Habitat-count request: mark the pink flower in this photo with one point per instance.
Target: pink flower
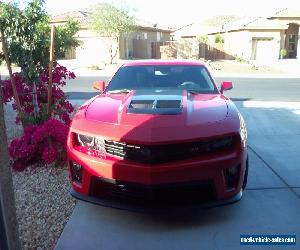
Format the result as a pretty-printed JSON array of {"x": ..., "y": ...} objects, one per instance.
[
  {"x": 50, "y": 155},
  {"x": 18, "y": 166},
  {"x": 45, "y": 142}
]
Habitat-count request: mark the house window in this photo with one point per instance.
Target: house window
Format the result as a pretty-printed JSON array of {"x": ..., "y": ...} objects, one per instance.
[
  {"x": 158, "y": 36},
  {"x": 292, "y": 42}
]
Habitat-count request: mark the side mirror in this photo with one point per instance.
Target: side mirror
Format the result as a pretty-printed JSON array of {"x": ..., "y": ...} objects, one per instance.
[
  {"x": 226, "y": 86},
  {"x": 99, "y": 86}
]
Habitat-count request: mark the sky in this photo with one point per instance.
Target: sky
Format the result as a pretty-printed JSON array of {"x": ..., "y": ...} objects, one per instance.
[{"x": 173, "y": 13}]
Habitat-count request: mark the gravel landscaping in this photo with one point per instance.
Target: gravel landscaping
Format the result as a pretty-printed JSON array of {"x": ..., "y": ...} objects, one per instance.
[{"x": 43, "y": 202}]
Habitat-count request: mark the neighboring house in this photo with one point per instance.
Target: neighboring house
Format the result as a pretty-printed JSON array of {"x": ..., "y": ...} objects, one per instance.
[
  {"x": 193, "y": 30},
  {"x": 258, "y": 39},
  {"x": 263, "y": 38},
  {"x": 94, "y": 48}
]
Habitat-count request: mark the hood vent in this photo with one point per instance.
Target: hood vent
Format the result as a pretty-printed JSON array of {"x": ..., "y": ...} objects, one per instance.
[
  {"x": 168, "y": 104},
  {"x": 162, "y": 107},
  {"x": 141, "y": 104},
  {"x": 161, "y": 102}
]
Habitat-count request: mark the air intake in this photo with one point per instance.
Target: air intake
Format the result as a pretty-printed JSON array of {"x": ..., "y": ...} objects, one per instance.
[
  {"x": 168, "y": 104},
  {"x": 141, "y": 104},
  {"x": 162, "y": 107},
  {"x": 162, "y": 102}
]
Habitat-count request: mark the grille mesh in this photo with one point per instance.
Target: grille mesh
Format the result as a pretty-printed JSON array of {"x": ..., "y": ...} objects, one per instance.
[
  {"x": 166, "y": 153},
  {"x": 153, "y": 195}
]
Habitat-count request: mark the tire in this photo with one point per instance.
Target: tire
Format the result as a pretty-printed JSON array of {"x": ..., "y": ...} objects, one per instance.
[{"x": 246, "y": 174}]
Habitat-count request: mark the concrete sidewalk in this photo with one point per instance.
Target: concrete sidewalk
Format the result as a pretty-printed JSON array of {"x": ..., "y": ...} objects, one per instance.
[{"x": 270, "y": 205}]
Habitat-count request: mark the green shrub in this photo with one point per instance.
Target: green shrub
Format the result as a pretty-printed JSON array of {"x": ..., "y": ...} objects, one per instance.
[
  {"x": 219, "y": 38},
  {"x": 283, "y": 53}
]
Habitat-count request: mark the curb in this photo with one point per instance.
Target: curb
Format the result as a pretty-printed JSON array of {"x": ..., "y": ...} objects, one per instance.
[{"x": 265, "y": 76}]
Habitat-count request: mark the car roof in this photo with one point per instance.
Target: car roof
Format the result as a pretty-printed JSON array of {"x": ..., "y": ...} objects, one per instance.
[{"x": 163, "y": 62}]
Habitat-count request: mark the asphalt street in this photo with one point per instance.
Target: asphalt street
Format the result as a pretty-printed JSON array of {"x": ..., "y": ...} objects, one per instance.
[
  {"x": 244, "y": 88},
  {"x": 270, "y": 204}
]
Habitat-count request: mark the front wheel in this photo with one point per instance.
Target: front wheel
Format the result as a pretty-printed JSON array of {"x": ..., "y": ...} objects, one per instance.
[{"x": 246, "y": 174}]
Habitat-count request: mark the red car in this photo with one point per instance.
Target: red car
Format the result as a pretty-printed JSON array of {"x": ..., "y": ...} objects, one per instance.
[{"x": 160, "y": 135}]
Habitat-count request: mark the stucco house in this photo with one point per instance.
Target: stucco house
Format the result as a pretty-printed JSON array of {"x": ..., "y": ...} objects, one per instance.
[
  {"x": 252, "y": 39},
  {"x": 94, "y": 49},
  {"x": 263, "y": 38}
]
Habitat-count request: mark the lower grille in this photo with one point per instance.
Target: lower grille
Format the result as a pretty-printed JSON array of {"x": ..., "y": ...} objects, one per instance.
[
  {"x": 166, "y": 153},
  {"x": 184, "y": 193}
]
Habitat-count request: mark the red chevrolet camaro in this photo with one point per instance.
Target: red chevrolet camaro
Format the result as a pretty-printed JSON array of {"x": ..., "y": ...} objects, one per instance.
[{"x": 159, "y": 135}]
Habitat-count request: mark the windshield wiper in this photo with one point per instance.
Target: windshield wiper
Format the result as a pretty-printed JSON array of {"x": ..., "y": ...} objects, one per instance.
[
  {"x": 118, "y": 91},
  {"x": 194, "y": 91}
]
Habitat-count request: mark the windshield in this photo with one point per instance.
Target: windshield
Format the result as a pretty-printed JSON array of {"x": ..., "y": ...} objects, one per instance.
[{"x": 191, "y": 78}]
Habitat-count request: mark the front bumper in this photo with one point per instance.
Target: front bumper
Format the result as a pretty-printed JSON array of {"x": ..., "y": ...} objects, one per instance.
[
  {"x": 207, "y": 168},
  {"x": 157, "y": 208}
]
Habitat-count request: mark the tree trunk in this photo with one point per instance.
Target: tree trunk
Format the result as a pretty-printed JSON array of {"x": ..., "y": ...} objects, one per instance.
[
  {"x": 50, "y": 69},
  {"x": 8, "y": 63},
  {"x": 9, "y": 239},
  {"x": 113, "y": 55}
]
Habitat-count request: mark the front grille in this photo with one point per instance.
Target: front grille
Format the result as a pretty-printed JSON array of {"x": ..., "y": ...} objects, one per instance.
[
  {"x": 184, "y": 193},
  {"x": 166, "y": 153}
]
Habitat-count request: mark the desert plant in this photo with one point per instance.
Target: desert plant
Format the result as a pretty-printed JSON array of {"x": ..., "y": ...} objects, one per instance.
[
  {"x": 42, "y": 144},
  {"x": 202, "y": 39},
  {"x": 44, "y": 138},
  {"x": 283, "y": 53},
  {"x": 219, "y": 38}
]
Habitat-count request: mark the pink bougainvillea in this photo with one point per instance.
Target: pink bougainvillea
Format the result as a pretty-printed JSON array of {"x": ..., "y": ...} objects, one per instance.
[
  {"x": 43, "y": 143},
  {"x": 60, "y": 105},
  {"x": 44, "y": 138}
]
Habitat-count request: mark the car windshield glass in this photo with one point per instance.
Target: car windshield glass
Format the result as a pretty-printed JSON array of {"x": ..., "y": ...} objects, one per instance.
[{"x": 191, "y": 78}]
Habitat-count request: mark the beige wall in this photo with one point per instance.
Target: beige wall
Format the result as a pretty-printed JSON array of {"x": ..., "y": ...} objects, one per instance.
[
  {"x": 241, "y": 43},
  {"x": 94, "y": 50},
  {"x": 272, "y": 40},
  {"x": 147, "y": 38},
  {"x": 187, "y": 48}
]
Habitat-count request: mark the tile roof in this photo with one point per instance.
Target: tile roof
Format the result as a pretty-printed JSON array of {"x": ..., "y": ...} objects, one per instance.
[
  {"x": 288, "y": 12},
  {"x": 193, "y": 30},
  {"x": 82, "y": 17}
]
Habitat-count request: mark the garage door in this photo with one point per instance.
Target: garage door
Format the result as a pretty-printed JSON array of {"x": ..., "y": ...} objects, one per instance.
[{"x": 264, "y": 50}]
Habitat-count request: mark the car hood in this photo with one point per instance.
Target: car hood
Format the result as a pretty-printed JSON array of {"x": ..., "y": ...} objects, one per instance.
[
  {"x": 153, "y": 115},
  {"x": 157, "y": 108}
]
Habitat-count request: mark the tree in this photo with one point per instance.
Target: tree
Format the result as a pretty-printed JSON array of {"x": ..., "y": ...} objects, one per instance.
[
  {"x": 220, "y": 21},
  {"x": 7, "y": 200},
  {"x": 28, "y": 36},
  {"x": 27, "y": 33},
  {"x": 112, "y": 23}
]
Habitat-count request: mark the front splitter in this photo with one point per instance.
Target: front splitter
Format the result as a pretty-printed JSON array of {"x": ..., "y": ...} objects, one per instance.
[{"x": 157, "y": 208}]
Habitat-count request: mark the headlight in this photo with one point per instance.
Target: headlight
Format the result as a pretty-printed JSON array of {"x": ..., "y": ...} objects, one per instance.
[
  {"x": 243, "y": 131},
  {"x": 99, "y": 145},
  {"x": 96, "y": 143},
  {"x": 85, "y": 140}
]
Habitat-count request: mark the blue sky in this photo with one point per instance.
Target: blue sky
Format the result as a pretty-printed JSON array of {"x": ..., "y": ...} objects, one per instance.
[{"x": 172, "y": 12}]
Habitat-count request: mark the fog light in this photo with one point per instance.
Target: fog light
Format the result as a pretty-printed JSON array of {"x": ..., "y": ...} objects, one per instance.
[
  {"x": 232, "y": 175},
  {"x": 76, "y": 171},
  {"x": 233, "y": 170}
]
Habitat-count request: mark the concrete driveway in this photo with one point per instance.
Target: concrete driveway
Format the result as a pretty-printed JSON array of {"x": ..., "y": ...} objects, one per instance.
[{"x": 270, "y": 205}]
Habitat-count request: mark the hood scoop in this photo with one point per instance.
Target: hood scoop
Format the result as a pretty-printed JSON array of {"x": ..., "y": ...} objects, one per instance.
[
  {"x": 161, "y": 107},
  {"x": 141, "y": 104}
]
